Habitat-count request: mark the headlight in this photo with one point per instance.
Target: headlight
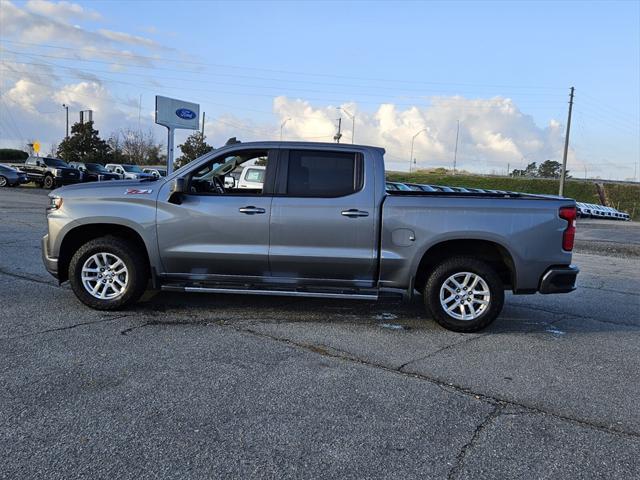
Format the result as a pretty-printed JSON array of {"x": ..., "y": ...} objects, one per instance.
[
  {"x": 56, "y": 172},
  {"x": 55, "y": 203}
]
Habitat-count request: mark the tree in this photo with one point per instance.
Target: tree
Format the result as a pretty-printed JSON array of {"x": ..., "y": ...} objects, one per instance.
[
  {"x": 84, "y": 145},
  {"x": 193, "y": 147},
  {"x": 551, "y": 169},
  {"x": 530, "y": 171},
  {"x": 135, "y": 146}
]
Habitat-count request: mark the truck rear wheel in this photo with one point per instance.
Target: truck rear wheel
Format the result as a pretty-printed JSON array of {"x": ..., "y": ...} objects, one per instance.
[
  {"x": 464, "y": 294},
  {"x": 108, "y": 273}
]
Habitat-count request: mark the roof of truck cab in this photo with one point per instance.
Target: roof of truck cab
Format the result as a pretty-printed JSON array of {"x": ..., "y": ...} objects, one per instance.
[{"x": 323, "y": 145}]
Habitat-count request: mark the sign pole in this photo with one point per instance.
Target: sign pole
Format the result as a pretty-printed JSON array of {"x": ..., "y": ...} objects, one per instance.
[{"x": 170, "y": 132}]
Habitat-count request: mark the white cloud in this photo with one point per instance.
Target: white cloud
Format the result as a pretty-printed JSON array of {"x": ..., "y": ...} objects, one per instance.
[
  {"x": 61, "y": 10},
  {"x": 42, "y": 22},
  {"x": 127, "y": 38},
  {"x": 493, "y": 132}
]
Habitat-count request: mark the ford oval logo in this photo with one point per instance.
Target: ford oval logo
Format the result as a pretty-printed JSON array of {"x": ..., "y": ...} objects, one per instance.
[{"x": 186, "y": 114}]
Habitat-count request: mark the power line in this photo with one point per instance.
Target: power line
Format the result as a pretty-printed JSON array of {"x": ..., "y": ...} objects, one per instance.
[
  {"x": 287, "y": 72},
  {"x": 548, "y": 96}
]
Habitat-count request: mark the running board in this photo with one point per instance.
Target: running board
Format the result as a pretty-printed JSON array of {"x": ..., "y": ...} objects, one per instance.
[{"x": 282, "y": 293}]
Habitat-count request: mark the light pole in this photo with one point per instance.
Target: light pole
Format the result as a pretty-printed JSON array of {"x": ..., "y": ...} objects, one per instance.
[
  {"x": 353, "y": 121},
  {"x": 282, "y": 126},
  {"x": 455, "y": 152},
  {"x": 412, "y": 141},
  {"x": 66, "y": 107}
]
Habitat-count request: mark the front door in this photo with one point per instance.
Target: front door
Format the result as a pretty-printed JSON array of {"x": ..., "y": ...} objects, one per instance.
[
  {"x": 323, "y": 220},
  {"x": 213, "y": 230}
]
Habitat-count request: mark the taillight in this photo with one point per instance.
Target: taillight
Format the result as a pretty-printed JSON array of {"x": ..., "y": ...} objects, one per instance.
[{"x": 569, "y": 234}]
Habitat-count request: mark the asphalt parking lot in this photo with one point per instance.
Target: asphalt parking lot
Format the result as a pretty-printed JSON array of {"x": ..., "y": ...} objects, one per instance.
[{"x": 206, "y": 386}]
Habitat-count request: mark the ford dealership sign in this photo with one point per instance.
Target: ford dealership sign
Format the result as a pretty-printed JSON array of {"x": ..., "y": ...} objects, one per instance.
[
  {"x": 174, "y": 113},
  {"x": 186, "y": 114}
]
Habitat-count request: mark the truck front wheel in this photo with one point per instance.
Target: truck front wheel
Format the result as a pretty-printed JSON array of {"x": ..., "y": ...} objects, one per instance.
[
  {"x": 108, "y": 273},
  {"x": 464, "y": 294},
  {"x": 49, "y": 182}
]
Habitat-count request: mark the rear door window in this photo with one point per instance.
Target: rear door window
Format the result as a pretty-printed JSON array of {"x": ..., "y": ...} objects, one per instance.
[{"x": 322, "y": 174}]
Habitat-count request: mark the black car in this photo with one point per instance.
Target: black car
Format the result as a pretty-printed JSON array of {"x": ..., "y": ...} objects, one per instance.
[
  {"x": 10, "y": 177},
  {"x": 51, "y": 172},
  {"x": 94, "y": 172}
]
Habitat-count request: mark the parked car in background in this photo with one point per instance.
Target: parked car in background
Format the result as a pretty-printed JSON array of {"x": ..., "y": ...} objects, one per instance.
[
  {"x": 94, "y": 172},
  {"x": 51, "y": 172},
  {"x": 155, "y": 171},
  {"x": 397, "y": 186},
  {"x": 419, "y": 187},
  {"x": 128, "y": 171},
  {"x": 252, "y": 177},
  {"x": 11, "y": 177}
]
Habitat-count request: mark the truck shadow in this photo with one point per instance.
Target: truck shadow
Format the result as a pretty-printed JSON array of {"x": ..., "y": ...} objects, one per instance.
[{"x": 395, "y": 315}]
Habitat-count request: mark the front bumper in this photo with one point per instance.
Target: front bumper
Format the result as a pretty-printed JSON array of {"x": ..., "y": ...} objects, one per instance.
[
  {"x": 559, "y": 279},
  {"x": 50, "y": 263}
]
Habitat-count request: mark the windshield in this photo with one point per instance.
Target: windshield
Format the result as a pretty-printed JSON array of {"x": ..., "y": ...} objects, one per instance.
[
  {"x": 55, "y": 162},
  {"x": 255, "y": 175},
  {"x": 132, "y": 168},
  {"x": 96, "y": 167}
]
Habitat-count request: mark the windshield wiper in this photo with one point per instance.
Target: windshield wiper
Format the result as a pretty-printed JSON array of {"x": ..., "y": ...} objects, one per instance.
[{"x": 148, "y": 179}]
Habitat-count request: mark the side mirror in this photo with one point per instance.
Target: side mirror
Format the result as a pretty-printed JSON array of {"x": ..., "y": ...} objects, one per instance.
[
  {"x": 178, "y": 185},
  {"x": 178, "y": 188}
]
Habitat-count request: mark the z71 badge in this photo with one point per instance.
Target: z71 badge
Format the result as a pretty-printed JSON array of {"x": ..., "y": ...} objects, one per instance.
[{"x": 138, "y": 191}]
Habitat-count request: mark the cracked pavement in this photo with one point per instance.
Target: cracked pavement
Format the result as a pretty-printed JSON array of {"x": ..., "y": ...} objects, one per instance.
[{"x": 193, "y": 386}]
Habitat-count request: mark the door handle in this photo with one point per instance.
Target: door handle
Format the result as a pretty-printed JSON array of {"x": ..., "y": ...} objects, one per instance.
[
  {"x": 354, "y": 212},
  {"x": 251, "y": 210}
]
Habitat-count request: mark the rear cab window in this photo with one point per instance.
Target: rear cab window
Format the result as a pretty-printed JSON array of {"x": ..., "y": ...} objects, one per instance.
[{"x": 318, "y": 173}]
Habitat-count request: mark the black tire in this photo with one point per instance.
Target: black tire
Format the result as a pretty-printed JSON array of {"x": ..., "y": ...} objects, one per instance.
[
  {"x": 130, "y": 254},
  {"x": 49, "y": 182},
  {"x": 457, "y": 265},
  {"x": 4, "y": 182}
]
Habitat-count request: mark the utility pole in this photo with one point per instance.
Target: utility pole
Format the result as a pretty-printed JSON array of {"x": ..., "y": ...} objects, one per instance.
[
  {"x": 282, "y": 126},
  {"x": 455, "y": 152},
  {"x": 338, "y": 135},
  {"x": 139, "y": 112},
  {"x": 563, "y": 173},
  {"x": 353, "y": 121},
  {"x": 202, "y": 131},
  {"x": 66, "y": 107},
  {"x": 508, "y": 168}
]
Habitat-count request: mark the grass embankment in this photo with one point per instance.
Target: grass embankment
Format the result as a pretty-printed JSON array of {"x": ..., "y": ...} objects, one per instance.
[{"x": 625, "y": 197}]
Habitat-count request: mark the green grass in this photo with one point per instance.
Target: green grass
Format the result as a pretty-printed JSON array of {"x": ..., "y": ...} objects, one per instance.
[{"x": 625, "y": 197}]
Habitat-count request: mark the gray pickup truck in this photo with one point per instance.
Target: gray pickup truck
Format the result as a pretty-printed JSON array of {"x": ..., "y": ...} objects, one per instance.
[{"x": 321, "y": 225}]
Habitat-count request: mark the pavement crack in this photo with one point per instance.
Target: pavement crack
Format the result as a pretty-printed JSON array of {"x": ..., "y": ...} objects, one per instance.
[
  {"x": 573, "y": 315},
  {"x": 126, "y": 331},
  {"x": 466, "y": 448},
  {"x": 459, "y": 389},
  {"x": 455, "y": 344},
  {"x": 29, "y": 279},
  {"x": 68, "y": 327}
]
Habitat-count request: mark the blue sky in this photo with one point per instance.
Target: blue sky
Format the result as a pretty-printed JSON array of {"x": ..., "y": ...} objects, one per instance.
[{"x": 502, "y": 68}]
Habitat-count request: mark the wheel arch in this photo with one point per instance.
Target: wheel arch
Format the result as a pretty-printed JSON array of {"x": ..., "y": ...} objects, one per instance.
[
  {"x": 81, "y": 234},
  {"x": 497, "y": 255}
]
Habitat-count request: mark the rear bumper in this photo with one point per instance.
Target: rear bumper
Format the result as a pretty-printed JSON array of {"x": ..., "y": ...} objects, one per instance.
[
  {"x": 50, "y": 263},
  {"x": 559, "y": 279}
]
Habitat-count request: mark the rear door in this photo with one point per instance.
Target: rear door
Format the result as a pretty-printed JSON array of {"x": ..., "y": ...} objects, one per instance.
[{"x": 322, "y": 228}]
